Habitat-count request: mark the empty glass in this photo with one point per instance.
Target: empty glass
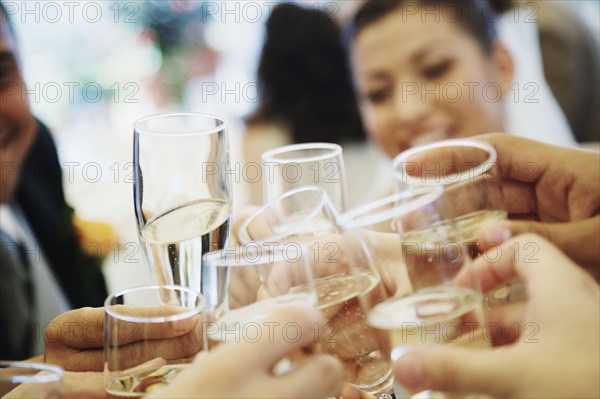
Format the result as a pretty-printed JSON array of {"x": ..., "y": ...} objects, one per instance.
[{"x": 310, "y": 164}]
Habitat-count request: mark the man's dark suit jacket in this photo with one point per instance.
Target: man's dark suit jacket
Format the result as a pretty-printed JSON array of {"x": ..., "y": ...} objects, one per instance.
[{"x": 41, "y": 197}]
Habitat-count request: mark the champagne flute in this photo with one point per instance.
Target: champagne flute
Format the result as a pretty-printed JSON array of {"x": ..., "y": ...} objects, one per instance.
[
  {"x": 468, "y": 172},
  {"x": 430, "y": 297},
  {"x": 182, "y": 196},
  {"x": 309, "y": 164},
  {"x": 306, "y": 216}
]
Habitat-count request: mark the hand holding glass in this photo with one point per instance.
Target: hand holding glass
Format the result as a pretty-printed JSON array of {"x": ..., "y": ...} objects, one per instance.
[{"x": 151, "y": 333}]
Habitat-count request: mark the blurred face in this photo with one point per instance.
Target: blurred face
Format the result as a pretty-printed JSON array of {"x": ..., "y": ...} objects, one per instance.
[
  {"x": 17, "y": 125},
  {"x": 420, "y": 80}
]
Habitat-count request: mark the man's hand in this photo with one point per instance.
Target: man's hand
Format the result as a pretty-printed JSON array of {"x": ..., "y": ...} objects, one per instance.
[
  {"x": 74, "y": 340},
  {"x": 553, "y": 192}
]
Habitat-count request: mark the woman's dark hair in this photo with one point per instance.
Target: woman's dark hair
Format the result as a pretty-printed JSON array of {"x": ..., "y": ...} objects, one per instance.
[
  {"x": 476, "y": 16},
  {"x": 304, "y": 78}
]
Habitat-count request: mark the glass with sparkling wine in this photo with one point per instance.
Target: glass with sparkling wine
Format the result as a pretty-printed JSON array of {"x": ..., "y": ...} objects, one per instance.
[
  {"x": 306, "y": 216},
  {"x": 151, "y": 334},
  {"x": 468, "y": 173},
  {"x": 430, "y": 298},
  {"x": 182, "y": 196}
]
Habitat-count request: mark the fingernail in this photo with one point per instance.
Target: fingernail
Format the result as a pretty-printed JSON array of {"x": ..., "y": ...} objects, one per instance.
[{"x": 496, "y": 232}]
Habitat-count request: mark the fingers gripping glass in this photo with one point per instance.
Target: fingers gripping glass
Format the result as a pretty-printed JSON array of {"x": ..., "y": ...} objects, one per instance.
[{"x": 151, "y": 333}]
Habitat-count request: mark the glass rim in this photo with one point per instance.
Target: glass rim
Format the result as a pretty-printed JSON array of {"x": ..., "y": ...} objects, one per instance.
[
  {"x": 425, "y": 195},
  {"x": 208, "y": 131},
  {"x": 324, "y": 199},
  {"x": 271, "y": 155},
  {"x": 154, "y": 319},
  {"x": 403, "y": 177},
  {"x": 56, "y": 373},
  {"x": 237, "y": 258}
]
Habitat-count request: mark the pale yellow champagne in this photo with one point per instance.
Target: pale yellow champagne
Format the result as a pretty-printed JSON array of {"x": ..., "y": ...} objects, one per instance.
[
  {"x": 348, "y": 336},
  {"x": 435, "y": 254},
  {"x": 469, "y": 226},
  {"x": 176, "y": 241},
  {"x": 138, "y": 384}
]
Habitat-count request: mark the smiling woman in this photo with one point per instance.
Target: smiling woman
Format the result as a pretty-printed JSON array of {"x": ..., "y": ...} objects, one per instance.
[{"x": 430, "y": 70}]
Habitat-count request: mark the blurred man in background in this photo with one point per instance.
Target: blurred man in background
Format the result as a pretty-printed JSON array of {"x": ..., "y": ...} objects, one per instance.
[{"x": 43, "y": 268}]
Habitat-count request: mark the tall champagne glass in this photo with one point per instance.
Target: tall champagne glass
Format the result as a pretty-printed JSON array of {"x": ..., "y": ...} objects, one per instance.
[
  {"x": 306, "y": 216},
  {"x": 182, "y": 198},
  {"x": 467, "y": 171},
  {"x": 430, "y": 296}
]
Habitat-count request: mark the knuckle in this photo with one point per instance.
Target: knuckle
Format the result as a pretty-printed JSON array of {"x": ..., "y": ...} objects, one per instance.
[{"x": 188, "y": 345}]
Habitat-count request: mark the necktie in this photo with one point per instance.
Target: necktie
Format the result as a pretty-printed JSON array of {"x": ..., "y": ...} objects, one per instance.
[{"x": 17, "y": 306}]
